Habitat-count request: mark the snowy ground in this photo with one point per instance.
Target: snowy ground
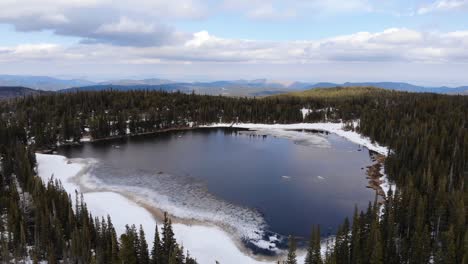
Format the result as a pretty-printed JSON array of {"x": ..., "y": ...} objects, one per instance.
[{"x": 206, "y": 243}]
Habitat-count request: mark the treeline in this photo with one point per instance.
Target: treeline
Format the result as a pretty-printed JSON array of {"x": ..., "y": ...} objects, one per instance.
[
  {"x": 428, "y": 136},
  {"x": 424, "y": 220},
  {"x": 39, "y": 222}
]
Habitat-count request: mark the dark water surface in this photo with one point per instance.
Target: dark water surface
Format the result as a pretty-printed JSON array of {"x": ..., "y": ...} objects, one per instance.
[{"x": 292, "y": 185}]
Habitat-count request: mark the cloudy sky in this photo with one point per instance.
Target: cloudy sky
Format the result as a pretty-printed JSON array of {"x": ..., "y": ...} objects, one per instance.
[{"x": 418, "y": 41}]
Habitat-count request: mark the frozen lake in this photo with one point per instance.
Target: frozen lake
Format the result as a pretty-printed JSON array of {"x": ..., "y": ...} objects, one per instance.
[{"x": 259, "y": 186}]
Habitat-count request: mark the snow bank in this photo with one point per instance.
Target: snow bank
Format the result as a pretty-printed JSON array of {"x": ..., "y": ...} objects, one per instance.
[
  {"x": 122, "y": 210},
  {"x": 336, "y": 128},
  {"x": 60, "y": 168},
  {"x": 210, "y": 244}
]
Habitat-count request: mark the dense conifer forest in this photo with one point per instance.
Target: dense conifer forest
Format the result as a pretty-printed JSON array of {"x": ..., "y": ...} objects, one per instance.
[{"x": 423, "y": 221}]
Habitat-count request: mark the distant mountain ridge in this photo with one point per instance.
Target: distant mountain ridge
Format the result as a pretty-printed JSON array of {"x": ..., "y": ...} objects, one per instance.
[
  {"x": 245, "y": 88},
  {"x": 123, "y": 82},
  {"x": 8, "y": 92},
  {"x": 41, "y": 82},
  {"x": 102, "y": 87},
  {"x": 258, "y": 87}
]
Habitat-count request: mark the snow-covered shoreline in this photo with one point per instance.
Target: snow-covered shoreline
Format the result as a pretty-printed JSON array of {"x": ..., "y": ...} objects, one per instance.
[
  {"x": 336, "y": 128},
  {"x": 193, "y": 204},
  {"x": 206, "y": 243}
]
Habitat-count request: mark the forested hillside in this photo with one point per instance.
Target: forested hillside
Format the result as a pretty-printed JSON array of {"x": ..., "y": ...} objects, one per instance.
[
  {"x": 8, "y": 92},
  {"x": 334, "y": 92},
  {"x": 423, "y": 221}
]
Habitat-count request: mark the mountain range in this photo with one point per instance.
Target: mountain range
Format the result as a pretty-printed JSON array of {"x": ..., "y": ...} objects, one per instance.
[
  {"x": 259, "y": 87},
  {"x": 41, "y": 82}
]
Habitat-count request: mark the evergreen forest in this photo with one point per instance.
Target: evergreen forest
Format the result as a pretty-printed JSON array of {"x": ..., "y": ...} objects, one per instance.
[{"x": 423, "y": 221}]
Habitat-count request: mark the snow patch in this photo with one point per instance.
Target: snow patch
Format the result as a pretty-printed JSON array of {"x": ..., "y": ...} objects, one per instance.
[
  {"x": 85, "y": 139},
  {"x": 385, "y": 183},
  {"x": 298, "y": 137},
  {"x": 305, "y": 112},
  {"x": 336, "y": 128},
  {"x": 60, "y": 168}
]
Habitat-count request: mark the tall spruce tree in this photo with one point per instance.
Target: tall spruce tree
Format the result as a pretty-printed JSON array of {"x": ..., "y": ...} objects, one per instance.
[
  {"x": 156, "y": 257},
  {"x": 291, "y": 258},
  {"x": 143, "y": 256},
  {"x": 313, "y": 250}
]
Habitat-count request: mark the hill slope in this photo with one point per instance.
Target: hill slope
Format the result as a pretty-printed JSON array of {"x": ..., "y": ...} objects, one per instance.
[
  {"x": 336, "y": 92},
  {"x": 8, "y": 92}
]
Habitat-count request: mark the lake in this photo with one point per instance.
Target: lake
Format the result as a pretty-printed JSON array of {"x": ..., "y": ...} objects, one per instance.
[{"x": 259, "y": 186}]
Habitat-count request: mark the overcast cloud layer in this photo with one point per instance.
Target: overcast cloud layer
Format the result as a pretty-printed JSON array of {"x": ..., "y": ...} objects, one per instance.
[{"x": 145, "y": 35}]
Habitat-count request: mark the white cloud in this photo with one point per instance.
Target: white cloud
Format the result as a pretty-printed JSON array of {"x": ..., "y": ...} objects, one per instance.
[
  {"x": 268, "y": 12},
  {"x": 261, "y": 9},
  {"x": 398, "y": 36},
  {"x": 15, "y": 9},
  {"x": 392, "y": 45},
  {"x": 442, "y": 5},
  {"x": 32, "y": 52},
  {"x": 338, "y": 6},
  {"x": 203, "y": 38},
  {"x": 281, "y": 10},
  {"x": 126, "y": 25},
  {"x": 160, "y": 8},
  {"x": 104, "y": 21},
  {"x": 54, "y": 18}
]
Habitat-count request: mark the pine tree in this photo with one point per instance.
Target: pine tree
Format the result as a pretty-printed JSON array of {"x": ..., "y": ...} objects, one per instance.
[
  {"x": 341, "y": 250},
  {"x": 128, "y": 252},
  {"x": 143, "y": 256},
  {"x": 356, "y": 239},
  {"x": 190, "y": 260},
  {"x": 168, "y": 242},
  {"x": 114, "y": 252},
  {"x": 313, "y": 250},
  {"x": 157, "y": 249},
  {"x": 375, "y": 242},
  {"x": 291, "y": 259}
]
